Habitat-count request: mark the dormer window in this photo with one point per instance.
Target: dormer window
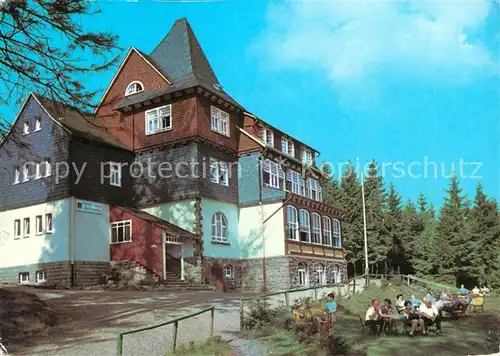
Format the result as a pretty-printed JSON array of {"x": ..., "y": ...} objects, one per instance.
[
  {"x": 307, "y": 156},
  {"x": 266, "y": 136},
  {"x": 134, "y": 87},
  {"x": 287, "y": 146},
  {"x": 26, "y": 128}
]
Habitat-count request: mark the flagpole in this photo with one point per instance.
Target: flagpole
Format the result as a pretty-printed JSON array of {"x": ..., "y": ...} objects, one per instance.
[{"x": 364, "y": 227}]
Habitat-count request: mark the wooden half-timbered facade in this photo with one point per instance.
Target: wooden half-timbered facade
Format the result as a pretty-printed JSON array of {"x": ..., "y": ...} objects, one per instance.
[{"x": 169, "y": 173}]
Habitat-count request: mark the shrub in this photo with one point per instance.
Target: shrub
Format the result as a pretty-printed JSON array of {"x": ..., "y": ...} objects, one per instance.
[{"x": 262, "y": 314}]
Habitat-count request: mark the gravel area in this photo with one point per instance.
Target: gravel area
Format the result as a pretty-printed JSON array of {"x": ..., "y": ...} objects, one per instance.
[
  {"x": 247, "y": 348},
  {"x": 102, "y": 315}
]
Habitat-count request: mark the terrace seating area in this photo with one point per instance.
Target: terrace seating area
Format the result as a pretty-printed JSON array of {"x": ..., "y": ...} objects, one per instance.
[{"x": 411, "y": 315}]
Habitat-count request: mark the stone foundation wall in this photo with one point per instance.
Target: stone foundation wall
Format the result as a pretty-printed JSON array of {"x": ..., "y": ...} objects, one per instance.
[
  {"x": 312, "y": 265},
  {"x": 213, "y": 273},
  {"x": 281, "y": 272},
  {"x": 58, "y": 274},
  {"x": 276, "y": 270}
]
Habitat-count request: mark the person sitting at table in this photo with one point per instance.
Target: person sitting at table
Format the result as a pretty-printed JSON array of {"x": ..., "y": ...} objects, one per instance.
[
  {"x": 445, "y": 296},
  {"x": 463, "y": 290},
  {"x": 439, "y": 303},
  {"x": 475, "y": 290},
  {"x": 430, "y": 297},
  {"x": 411, "y": 319},
  {"x": 387, "y": 307},
  {"x": 373, "y": 317},
  {"x": 415, "y": 302},
  {"x": 430, "y": 315},
  {"x": 485, "y": 290},
  {"x": 400, "y": 303}
]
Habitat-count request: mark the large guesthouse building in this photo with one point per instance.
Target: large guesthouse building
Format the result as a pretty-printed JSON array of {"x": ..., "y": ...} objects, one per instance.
[{"x": 169, "y": 174}]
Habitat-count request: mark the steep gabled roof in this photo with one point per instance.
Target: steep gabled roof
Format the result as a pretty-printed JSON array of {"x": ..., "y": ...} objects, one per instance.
[
  {"x": 145, "y": 58},
  {"x": 180, "y": 58},
  {"x": 79, "y": 123},
  {"x": 179, "y": 55}
]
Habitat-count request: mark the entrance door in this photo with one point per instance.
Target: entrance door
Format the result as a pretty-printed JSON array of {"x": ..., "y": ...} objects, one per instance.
[
  {"x": 173, "y": 259},
  {"x": 218, "y": 277}
]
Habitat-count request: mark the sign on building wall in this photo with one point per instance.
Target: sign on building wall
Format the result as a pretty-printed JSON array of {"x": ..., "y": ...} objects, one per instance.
[{"x": 89, "y": 207}]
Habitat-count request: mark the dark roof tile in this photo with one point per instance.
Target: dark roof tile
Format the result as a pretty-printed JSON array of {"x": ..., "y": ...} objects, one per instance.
[{"x": 79, "y": 123}]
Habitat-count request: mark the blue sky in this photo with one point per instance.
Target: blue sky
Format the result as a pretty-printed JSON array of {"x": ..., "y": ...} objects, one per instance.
[{"x": 390, "y": 81}]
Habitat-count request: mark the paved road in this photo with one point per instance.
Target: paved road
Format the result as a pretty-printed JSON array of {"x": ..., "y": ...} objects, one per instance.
[{"x": 100, "y": 316}]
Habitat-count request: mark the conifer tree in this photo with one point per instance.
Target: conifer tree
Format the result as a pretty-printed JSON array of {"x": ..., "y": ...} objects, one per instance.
[
  {"x": 425, "y": 255},
  {"x": 452, "y": 235},
  {"x": 378, "y": 241},
  {"x": 352, "y": 225},
  {"x": 395, "y": 231},
  {"x": 484, "y": 241}
]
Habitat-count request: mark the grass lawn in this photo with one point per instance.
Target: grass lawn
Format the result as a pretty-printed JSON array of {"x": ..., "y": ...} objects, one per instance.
[
  {"x": 477, "y": 334},
  {"x": 204, "y": 348}
]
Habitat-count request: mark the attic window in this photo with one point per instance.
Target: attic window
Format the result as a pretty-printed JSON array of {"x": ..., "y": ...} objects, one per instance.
[{"x": 134, "y": 87}]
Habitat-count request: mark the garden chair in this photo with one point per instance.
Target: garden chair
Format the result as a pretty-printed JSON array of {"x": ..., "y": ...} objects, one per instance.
[
  {"x": 320, "y": 322},
  {"x": 362, "y": 321},
  {"x": 298, "y": 317},
  {"x": 477, "y": 303}
]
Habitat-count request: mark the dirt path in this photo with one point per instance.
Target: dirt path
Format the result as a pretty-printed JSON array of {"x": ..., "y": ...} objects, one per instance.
[{"x": 98, "y": 317}]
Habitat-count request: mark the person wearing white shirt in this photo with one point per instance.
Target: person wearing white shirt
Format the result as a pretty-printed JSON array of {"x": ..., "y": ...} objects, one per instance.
[
  {"x": 431, "y": 315},
  {"x": 476, "y": 290},
  {"x": 400, "y": 303},
  {"x": 373, "y": 317}
]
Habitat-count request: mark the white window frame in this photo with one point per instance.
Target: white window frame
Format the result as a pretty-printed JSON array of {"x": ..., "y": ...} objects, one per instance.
[
  {"x": 228, "y": 271},
  {"x": 327, "y": 231},
  {"x": 17, "y": 175},
  {"x": 316, "y": 237},
  {"x": 320, "y": 274},
  {"x": 160, "y": 127},
  {"x": 292, "y": 223},
  {"x": 41, "y": 276},
  {"x": 38, "y": 224},
  {"x": 219, "y": 121},
  {"x": 38, "y": 124},
  {"x": 307, "y": 156},
  {"x": 48, "y": 168},
  {"x": 314, "y": 190},
  {"x": 49, "y": 228},
  {"x": 296, "y": 182},
  {"x": 219, "y": 172},
  {"x": 117, "y": 225},
  {"x": 304, "y": 224},
  {"x": 38, "y": 170},
  {"x": 17, "y": 229},
  {"x": 133, "y": 85},
  {"x": 287, "y": 146},
  {"x": 336, "y": 274},
  {"x": 220, "y": 228},
  {"x": 276, "y": 178},
  {"x": 26, "y": 128},
  {"x": 115, "y": 174},
  {"x": 302, "y": 275},
  {"x": 26, "y": 227},
  {"x": 337, "y": 235},
  {"x": 26, "y": 172},
  {"x": 24, "y": 277},
  {"x": 267, "y": 136}
]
